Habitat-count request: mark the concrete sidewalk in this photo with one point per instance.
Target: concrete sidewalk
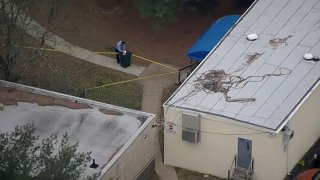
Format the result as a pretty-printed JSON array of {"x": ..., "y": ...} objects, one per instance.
[
  {"x": 152, "y": 102},
  {"x": 152, "y": 88},
  {"x": 36, "y": 30}
]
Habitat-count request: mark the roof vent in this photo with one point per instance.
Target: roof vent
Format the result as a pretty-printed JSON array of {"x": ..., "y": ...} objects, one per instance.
[
  {"x": 310, "y": 57},
  {"x": 94, "y": 165},
  {"x": 252, "y": 37}
]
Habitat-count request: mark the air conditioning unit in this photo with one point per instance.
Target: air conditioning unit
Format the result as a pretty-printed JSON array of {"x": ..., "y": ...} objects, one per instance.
[
  {"x": 190, "y": 135},
  {"x": 190, "y": 127}
]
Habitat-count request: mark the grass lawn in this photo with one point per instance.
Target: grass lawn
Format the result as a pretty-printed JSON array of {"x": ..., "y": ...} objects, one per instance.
[
  {"x": 127, "y": 95},
  {"x": 62, "y": 73},
  {"x": 191, "y": 175}
]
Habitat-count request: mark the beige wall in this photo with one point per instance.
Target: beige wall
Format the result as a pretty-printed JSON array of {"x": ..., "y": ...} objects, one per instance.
[
  {"x": 214, "y": 153},
  {"x": 139, "y": 152},
  {"x": 306, "y": 126}
]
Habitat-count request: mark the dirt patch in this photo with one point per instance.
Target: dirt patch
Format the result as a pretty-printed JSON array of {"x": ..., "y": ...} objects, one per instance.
[
  {"x": 252, "y": 57},
  {"x": 111, "y": 112},
  {"x": 276, "y": 42},
  {"x": 98, "y": 24},
  {"x": 11, "y": 96}
]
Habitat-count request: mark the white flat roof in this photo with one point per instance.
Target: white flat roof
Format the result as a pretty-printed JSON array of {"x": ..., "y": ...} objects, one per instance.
[
  {"x": 287, "y": 29},
  {"x": 98, "y": 127}
]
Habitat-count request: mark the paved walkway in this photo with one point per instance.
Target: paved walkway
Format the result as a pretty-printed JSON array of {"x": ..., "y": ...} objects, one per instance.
[
  {"x": 152, "y": 88},
  {"x": 54, "y": 41},
  {"x": 152, "y": 102}
]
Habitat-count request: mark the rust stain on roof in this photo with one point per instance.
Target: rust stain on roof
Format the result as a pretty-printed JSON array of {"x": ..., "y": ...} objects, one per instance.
[
  {"x": 111, "y": 112},
  {"x": 10, "y": 96}
]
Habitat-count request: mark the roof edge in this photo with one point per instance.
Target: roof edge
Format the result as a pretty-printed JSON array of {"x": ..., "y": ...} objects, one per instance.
[
  {"x": 127, "y": 145},
  {"x": 151, "y": 117},
  {"x": 210, "y": 53},
  {"x": 237, "y": 122},
  {"x": 231, "y": 121},
  {"x": 295, "y": 109},
  {"x": 58, "y": 95}
]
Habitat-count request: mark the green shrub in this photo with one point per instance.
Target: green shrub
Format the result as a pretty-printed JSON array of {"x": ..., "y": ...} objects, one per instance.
[{"x": 164, "y": 11}]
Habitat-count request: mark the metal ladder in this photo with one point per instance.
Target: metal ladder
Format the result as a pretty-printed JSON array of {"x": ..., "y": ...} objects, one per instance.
[{"x": 239, "y": 173}]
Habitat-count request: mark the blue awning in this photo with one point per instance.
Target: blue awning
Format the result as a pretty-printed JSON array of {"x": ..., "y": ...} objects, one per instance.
[{"x": 210, "y": 39}]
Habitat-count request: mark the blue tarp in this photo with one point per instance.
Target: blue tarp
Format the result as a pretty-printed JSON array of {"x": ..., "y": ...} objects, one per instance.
[{"x": 210, "y": 39}]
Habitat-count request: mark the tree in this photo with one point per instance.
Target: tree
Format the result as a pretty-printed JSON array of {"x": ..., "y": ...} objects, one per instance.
[
  {"x": 23, "y": 156},
  {"x": 166, "y": 11},
  {"x": 163, "y": 11},
  {"x": 14, "y": 26}
]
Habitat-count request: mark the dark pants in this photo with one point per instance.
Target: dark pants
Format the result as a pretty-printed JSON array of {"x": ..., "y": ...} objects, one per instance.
[{"x": 117, "y": 55}]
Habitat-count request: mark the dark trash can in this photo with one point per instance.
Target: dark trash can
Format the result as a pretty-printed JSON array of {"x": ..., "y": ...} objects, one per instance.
[
  {"x": 117, "y": 55},
  {"x": 125, "y": 59}
]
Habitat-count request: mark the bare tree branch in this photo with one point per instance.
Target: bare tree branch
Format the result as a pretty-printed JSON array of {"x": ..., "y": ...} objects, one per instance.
[{"x": 15, "y": 59}]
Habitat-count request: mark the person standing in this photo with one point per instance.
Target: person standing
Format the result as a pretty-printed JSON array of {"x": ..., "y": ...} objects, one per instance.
[{"x": 120, "y": 48}]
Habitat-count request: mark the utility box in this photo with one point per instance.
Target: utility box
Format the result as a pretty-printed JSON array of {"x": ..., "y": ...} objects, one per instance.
[
  {"x": 125, "y": 59},
  {"x": 190, "y": 127}
]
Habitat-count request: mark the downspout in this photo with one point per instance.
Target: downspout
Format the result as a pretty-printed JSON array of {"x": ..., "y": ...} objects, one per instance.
[
  {"x": 288, "y": 133},
  {"x": 287, "y": 142}
]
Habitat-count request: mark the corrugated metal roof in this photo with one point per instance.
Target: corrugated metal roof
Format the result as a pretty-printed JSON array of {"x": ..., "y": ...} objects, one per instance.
[{"x": 287, "y": 29}]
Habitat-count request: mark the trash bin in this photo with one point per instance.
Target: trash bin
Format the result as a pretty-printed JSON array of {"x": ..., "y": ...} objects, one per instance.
[{"x": 125, "y": 59}]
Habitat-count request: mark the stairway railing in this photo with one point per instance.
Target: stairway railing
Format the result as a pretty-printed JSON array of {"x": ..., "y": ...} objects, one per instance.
[
  {"x": 234, "y": 167},
  {"x": 233, "y": 164},
  {"x": 250, "y": 170},
  {"x": 251, "y": 166}
]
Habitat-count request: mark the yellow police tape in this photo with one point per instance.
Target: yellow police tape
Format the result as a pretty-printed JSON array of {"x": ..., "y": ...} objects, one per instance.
[
  {"x": 139, "y": 57},
  {"x": 113, "y": 53},
  {"x": 130, "y": 80},
  {"x": 154, "y": 62},
  {"x": 106, "y": 52}
]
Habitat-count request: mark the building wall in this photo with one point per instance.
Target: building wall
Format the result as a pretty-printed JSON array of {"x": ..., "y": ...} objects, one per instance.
[
  {"x": 306, "y": 126},
  {"x": 134, "y": 156},
  {"x": 139, "y": 152},
  {"x": 215, "y": 152}
]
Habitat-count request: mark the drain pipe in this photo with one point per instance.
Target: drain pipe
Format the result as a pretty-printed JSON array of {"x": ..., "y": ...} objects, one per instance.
[
  {"x": 287, "y": 142},
  {"x": 288, "y": 134}
]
